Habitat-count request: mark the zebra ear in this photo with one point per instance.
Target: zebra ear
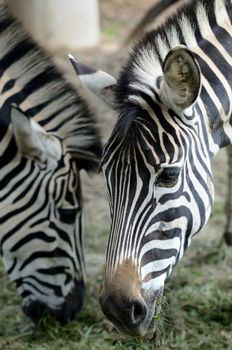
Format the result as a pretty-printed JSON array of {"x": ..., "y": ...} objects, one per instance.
[
  {"x": 181, "y": 79},
  {"x": 100, "y": 83},
  {"x": 33, "y": 141}
]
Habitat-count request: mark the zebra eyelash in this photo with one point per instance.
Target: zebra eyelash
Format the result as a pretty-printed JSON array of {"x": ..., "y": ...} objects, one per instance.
[{"x": 168, "y": 177}]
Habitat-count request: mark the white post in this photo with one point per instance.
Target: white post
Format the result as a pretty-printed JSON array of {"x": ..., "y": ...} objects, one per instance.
[{"x": 60, "y": 23}]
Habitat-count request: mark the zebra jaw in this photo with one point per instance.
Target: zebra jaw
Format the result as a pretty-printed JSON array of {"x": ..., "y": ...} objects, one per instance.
[{"x": 33, "y": 141}]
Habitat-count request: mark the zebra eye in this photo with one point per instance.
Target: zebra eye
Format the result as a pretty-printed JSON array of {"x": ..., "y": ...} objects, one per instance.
[
  {"x": 68, "y": 215},
  {"x": 168, "y": 177}
]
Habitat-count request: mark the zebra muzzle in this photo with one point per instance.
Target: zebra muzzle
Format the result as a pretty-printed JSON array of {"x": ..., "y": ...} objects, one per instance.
[{"x": 65, "y": 313}]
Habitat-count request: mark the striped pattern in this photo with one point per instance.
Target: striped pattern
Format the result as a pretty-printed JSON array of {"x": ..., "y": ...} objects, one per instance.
[
  {"x": 41, "y": 210},
  {"x": 157, "y": 161}
]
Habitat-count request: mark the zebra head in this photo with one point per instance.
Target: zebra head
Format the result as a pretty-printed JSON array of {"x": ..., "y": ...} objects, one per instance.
[
  {"x": 157, "y": 168},
  {"x": 41, "y": 213}
]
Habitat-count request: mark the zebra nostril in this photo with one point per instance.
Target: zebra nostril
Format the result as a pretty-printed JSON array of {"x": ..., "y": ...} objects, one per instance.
[{"x": 139, "y": 312}]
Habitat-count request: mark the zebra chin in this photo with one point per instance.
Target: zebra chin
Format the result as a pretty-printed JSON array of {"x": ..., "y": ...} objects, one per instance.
[{"x": 65, "y": 313}]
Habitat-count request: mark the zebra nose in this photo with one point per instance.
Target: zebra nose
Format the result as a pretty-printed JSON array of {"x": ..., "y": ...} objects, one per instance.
[{"x": 128, "y": 315}]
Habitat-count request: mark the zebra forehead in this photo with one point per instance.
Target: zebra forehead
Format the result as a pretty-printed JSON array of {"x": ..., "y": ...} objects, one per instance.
[
  {"x": 141, "y": 137},
  {"x": 130, "y": 124}
]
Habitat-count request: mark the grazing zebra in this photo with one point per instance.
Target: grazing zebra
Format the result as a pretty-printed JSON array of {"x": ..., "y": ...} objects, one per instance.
[
  {"x": 174, "y": 103},
  {"x": 47, "y": 135}
]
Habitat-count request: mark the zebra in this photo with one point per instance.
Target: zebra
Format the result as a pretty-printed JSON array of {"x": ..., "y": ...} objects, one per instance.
[
  {"x": 174, "y": 103},
  {"x": 48, "y": 133}
]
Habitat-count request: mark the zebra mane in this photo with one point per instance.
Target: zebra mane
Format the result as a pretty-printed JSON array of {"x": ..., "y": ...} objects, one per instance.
[
  {"x": 50, "y": 99},
  {"x": 144, "y": 64}
]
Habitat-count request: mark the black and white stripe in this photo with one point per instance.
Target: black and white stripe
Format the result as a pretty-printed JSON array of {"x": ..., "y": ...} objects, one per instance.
[
  {"x": 46, "y": 138},
  {"x": 157, "y": 162}
]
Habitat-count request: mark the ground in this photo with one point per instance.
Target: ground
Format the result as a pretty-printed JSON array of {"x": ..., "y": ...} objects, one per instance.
[{"x": 198, "y": 296}]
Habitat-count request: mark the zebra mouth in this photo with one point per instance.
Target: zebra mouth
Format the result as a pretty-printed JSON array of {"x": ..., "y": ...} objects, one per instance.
[
  {"x": 133, "y": 317},
  {"x": 34, "y": 309},
  {"x": 66, "y": 313}
]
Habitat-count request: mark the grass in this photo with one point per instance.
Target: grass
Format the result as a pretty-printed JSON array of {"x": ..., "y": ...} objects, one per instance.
[
  {"x": 197, "y": 314},
  {"x": 201, "y": 308}
]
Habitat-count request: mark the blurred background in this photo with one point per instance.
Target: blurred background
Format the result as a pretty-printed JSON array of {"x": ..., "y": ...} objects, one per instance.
[
  {"x": 58, "y": 24},
  {"x": 198, "y": 315}
]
